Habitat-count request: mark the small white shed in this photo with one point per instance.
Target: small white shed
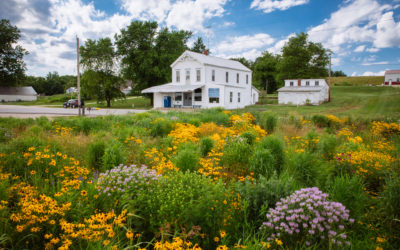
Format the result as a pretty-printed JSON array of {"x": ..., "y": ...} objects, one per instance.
[
  {"x": 303, "y": 92},
  {"x": 392, "y": 77},
  {"x": 14, "y": 94}
]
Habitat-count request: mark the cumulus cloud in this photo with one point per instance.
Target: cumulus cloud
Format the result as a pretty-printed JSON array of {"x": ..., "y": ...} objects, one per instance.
[
  {"x": 375, "y": 63},
  {"x": 369, "y": 73},
  {"x": 276, "y": 49},
  {"x": 147, "y": 9},
  {"x": 271, "y": 5},
  {"x": 360, "y": 48}
]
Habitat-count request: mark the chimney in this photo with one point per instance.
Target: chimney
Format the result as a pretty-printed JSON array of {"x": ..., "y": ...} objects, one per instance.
[
  {"x": 205, "y": 52},
  {"x": 299, "y": 82}
]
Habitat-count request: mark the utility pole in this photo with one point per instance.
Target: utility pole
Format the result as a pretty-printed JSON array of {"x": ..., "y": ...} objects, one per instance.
[
  {"x": 329, "y": 97},
  {"x": 78, "y": 76}
]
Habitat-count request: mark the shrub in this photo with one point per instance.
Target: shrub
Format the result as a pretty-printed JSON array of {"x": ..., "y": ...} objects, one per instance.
[
  {"x": 349, "y": 191},
  {"x": 95, "y": 152},
  {"x": 206, "y": 145},
  {"x": 268, "y": 121},
  {"x": 304, "y": 167},
  {"x": 160, "y": 127},
  {"x": 236, "y": 154},
  {"x": 258, "y": 197},
  {"x": 308, "y": 217},
  {"x": 327, "y": 146},
  {"x": 262, "y": 163},
  {"x": 113, "y": 155},
  {"x": 181, "y": 201},
  {"x": 320, "y": 121},
  {"x": 275, "y": 146},
  {"x": 389, "y": 201},
  {"x": 250, "y": 137},
  {"x": 187, "y": 158}
]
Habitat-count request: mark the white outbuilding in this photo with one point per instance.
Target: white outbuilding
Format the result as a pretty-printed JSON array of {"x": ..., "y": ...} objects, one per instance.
[
  {"x": 203, "y": 81},
  {"x": 392, "y": 77},
  {"x": 14, "y": 94},
  {"x": 304, "y": 92}
]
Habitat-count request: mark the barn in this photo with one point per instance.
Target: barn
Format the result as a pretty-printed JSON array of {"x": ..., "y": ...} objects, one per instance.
[
  {"x": 304, "y": 92},
  {"x": 392, "y": 77},
  {"x": 14, "y": 94}
]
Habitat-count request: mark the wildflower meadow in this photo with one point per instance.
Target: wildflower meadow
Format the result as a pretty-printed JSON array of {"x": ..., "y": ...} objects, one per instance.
[{"x": 211, "y": 179}]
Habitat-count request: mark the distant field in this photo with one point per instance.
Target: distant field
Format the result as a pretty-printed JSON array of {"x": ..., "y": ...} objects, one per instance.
[
  {"x": 356, "y": 101},
  {"x": 356, "y": 80}
]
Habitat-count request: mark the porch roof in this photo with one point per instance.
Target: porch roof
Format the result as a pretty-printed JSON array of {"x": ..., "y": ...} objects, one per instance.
[{"x": 172, "y": 88}]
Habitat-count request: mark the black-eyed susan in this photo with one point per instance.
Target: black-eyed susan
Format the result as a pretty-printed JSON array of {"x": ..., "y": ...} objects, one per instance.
[
  {"x": 83, "y": 192},
  {"x": 216, "y": 239},
  {"x": 33, "y": 172},
  {"x": 129, "y": 234}
]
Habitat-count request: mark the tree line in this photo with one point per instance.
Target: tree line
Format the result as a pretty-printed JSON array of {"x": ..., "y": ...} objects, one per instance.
[{"x": 143, "y": 52}]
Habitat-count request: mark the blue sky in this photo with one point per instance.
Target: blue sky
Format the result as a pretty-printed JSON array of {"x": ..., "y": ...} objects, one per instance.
[{"x": 364, "y": 35}]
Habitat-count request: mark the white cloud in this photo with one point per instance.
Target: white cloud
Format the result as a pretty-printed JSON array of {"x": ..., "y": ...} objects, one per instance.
[
  {"x": 372, "y": 50},
  {"x": 374, "y": 63},
  {"x": 228, "y": 24},
  {"x": 360, "y": 48},
  {"x": 354, "y": 73},
  {"x": 191, "y": 15},
  {"x": 147, "y": 9},
  {"x": 369, "y": 73},
  {"x": 241, "y": 43},
  {"x": 271, "y": 5},
  {"x": 276, "y": 49},
  {"x": 388, "y": 32}
]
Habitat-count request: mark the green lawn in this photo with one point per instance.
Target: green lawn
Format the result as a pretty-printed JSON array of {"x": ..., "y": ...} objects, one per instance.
[{"x": 356, "y": 101}]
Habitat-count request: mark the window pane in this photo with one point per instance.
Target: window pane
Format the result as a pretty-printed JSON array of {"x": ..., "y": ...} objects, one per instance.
[
  {"x": 213, "y": 75},
  {"x": 237, "y": 77},
  {"x": 198, "y": 75},
  {"x": 227, "y": 76},
  {"x": 178, "y": 76}
]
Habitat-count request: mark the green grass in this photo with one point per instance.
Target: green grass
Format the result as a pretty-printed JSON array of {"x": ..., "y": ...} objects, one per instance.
[
  {"x": 138, "y": 102},
  {"x": 356, "y": 101},
  {"x": 44, "y": 100},
  {"x": 356, "y": 80}
]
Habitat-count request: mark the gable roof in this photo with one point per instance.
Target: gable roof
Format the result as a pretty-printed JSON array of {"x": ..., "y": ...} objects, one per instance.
[
  {"x": 27, "y": 90},
  {"x": 392, "y": 71},
  {"x": 212, "y": 60}
]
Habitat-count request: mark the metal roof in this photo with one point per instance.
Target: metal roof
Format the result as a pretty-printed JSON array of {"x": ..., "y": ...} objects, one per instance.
[
  {"x": 212, "y": 60},
  {"x": 27, "y": 90},
  {"x": 301, "y": 89},
  {"x": 172, "y": 88},
  {"x": 396, "y": 71}
]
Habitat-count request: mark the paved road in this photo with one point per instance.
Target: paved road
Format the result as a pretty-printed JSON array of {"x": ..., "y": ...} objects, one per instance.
[{"x": 37, "y": 111}]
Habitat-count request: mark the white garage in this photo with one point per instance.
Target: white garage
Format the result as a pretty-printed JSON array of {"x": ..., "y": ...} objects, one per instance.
[
  {"x": 304, "y": 92},
  {"x": 14, "y": 94}
]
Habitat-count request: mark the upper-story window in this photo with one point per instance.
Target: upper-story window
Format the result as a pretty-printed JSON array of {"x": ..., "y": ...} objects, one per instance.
[
  {"x": 316, "y": 83},
  {"x": 291, "y": 83},
  {"x": 213, "y": 75},
  {"x": 198, "y": 77},
  {"x": 230, "y": 96},
  {"x": 247, "y": 79},
  {"x": 238, "y": 96},
  {"x": 178, "y": 76},
  {"x": 237, "y": 77},
  {"x": 307, "y": 83},
  {"x": 187, "y": 74},
  {"x": 227, "y": 76}
]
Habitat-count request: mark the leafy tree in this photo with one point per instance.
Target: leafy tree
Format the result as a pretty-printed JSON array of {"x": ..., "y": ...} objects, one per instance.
[
  {"x": 265, "y": 71},
  {"x": 12, "y": 66},
  {"x": 50, "y": 85},
  {"x": 249, "y": 64},
  {"x": 338, "y": 73},
  {"x": 146, "y": 55},
  {"x": 99, "y": 79},
  {"x": 303, "y": 59},
  {"x": 199, "y": 46}
]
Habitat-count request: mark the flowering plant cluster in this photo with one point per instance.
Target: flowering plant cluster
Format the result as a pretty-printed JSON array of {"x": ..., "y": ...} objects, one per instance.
[
  {"x": 307, "y": 216},
  {"x": 122, "y": 179}
]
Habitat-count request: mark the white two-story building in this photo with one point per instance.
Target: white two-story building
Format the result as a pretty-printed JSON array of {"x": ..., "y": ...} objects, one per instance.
[
  {"x": 304, "y": 91},
  {"x": 392, "y": 77},
  {"x": 202, "y": 81}
]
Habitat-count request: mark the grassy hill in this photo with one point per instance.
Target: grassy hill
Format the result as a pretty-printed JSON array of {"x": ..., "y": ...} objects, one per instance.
[
  {"x": 357, "y": 101},
  {"x": 356, "y": 80}
]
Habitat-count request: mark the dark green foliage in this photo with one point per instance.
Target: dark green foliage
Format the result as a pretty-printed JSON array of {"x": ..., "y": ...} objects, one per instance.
[
  {"x": 113, "y": 155},
  {"x": 262, "y": 163},
  {"x": 338, "y": 73},
  {"x": 389, "y": 199},
  {"x": 304, "y": 167},
  {"x": 266, "y": 72},
  {"x": 302, "y": 59},
  {"x": 206, "y": 144},
  {"x": 199, "y": 46},
  {"x": 260, "y": 196},
  {"x": 161, "y": 127},
  {"x": 349, "y": 191},
  {"x": 250, "y": 137},
  {"x": 94, "y": 155},
  {"x": 12, "y": 66},
  {"x": 187, "y": 158},
  {"x": 275, "y": 146},
  {"x": 236, "y": 154},
  {"x": 327, "y": 146},
  {"x": 320, "y": 121},
  {"x": 268, "y": 121}
]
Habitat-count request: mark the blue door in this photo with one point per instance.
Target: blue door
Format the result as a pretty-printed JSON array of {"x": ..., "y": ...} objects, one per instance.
[{"x": 167, "y": 101}]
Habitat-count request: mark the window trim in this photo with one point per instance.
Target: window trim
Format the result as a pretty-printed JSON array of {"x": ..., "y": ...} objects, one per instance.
[
  {"x": 177, "y": 75},
  {"x": 230, "y": 96},
  {"x": 237, "y": 78},
  {"x": 198, "y": 75},
  {"x": 213, "y": 75},
  {"x": 187, "y": 76},
  {"x": 238, "y": 97},
  {"x": 227, "y": 77}
]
